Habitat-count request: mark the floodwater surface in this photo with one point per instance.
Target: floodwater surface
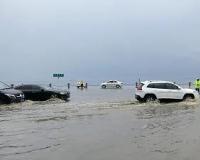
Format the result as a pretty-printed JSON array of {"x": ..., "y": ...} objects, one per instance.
[{"x": 100, "y": 124}]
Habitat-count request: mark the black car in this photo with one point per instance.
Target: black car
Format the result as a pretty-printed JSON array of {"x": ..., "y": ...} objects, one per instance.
[
  {"x": 39, "y": 93},
  {"x": 9, "y": 95}
]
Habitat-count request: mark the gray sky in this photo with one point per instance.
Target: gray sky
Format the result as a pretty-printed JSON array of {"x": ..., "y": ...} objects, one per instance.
[{"x": 99, "y": 39}]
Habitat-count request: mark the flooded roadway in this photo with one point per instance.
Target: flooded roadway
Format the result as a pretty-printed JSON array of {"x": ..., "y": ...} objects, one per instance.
[{"x": 100, "y": 125}]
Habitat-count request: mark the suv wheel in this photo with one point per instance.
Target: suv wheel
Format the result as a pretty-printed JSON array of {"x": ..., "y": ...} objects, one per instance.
[
  {"x": 188, "y": 97},
  {"x": 150, "y": 98},
  {"x": 103, "y": 86}
]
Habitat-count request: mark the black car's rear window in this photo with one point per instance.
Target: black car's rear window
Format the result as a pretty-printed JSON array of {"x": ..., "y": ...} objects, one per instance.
[
  {"x": 29, "y": 87},
  {"x": 24, "y": 87}
]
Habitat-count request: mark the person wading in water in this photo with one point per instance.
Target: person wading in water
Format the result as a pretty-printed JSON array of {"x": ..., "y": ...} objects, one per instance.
[{"x": 197, "y": 85}]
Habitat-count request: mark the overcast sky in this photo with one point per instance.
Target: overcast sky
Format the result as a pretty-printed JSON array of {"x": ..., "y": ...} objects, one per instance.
[{"x": 98, "y": 40}]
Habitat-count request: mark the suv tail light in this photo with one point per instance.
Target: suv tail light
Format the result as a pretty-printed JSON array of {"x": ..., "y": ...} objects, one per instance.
[{"x": 139, "y": 86}]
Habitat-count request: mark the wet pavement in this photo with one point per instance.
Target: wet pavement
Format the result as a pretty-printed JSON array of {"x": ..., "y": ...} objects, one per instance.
[{"x": 100, "y": 125}]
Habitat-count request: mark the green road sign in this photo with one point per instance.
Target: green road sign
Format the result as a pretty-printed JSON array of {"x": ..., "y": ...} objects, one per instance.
[{"x": 58, "y": 75}]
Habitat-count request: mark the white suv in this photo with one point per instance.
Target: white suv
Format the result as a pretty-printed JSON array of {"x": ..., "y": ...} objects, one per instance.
[
  {"x": 163, "y": 90},
  {"x": 112, "y": 84}
]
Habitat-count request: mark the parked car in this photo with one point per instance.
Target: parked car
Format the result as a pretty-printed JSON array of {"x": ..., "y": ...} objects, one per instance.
[
  {"x": 163, "y": 90},
  {"x": 39, "y": 93},
  {"x": 9, "y": 95},
  {"x": 112, "y": 84}
]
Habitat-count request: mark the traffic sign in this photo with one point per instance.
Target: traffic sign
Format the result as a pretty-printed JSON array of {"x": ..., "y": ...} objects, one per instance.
[{"x": 58, "y": 75}]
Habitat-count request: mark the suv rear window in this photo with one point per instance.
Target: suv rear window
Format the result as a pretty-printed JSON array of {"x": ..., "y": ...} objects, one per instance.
[
  {"x": 157, "y": 85},
  {"x": 162, "y": 86}
]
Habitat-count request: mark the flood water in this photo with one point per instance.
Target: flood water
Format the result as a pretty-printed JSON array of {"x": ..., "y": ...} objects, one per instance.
[{"x": 100, "y": 124}]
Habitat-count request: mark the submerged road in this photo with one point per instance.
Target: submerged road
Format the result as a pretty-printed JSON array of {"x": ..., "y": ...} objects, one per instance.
[{"x": 100, "y": 128}]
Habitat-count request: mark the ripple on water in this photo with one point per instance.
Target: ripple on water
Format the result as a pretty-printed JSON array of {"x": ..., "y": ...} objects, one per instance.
[{"x": 34, "y": 126}]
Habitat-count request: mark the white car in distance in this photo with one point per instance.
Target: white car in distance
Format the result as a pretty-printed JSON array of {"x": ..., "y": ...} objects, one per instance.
[
  {"x": 112, "y": 84},
  {"x": 163, "y": 90}
]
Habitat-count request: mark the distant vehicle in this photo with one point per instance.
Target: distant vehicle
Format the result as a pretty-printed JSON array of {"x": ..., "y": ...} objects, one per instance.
[
  {"x": 81, "y": 85},
  {"x": 9, "y": 95},
  {"x": 39, "y": 93},
  {"x": 112, "y": 84},
  {"x": 163, "y": 90}
]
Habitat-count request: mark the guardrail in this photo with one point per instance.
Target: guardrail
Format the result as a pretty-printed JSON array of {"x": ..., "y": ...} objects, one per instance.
[{"x": 69, "y": 85}]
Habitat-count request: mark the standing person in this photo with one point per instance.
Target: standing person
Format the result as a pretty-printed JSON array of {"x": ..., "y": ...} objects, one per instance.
[
  {"x": 82, "y": 85},
  {"x": 190, "y": 84},
  {"x": 68, "y": 85},
  {"x": 197, "y": 85}
]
